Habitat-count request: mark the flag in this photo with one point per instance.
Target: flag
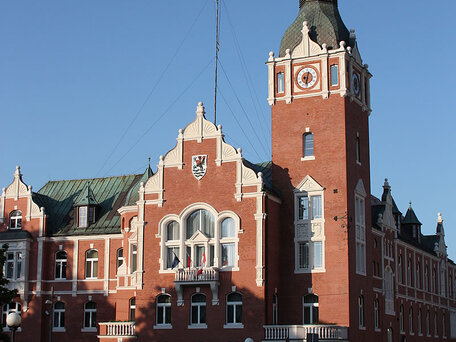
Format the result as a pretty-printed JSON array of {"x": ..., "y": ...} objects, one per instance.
[
  {"x": 189, "y": 261},
  {"x": 176, "y": 261},
  {"x": 202, "y": 264}
]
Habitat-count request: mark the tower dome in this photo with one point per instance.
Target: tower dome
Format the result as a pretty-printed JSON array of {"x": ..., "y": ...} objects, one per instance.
[{"x": 325, "y": 24}]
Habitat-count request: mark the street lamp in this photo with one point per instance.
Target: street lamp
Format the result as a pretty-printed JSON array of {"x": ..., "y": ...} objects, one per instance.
[
  {"x": 13, "y": 320},
  {"x": 248, "y": 339}
]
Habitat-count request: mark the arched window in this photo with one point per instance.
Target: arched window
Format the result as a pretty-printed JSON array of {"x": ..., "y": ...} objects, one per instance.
[
  {"x": 308, "y": 145},
  {"x": 16, "y": 219},
  {"x": 90, "y": 315},
  {"x": 198, "y": 311},
  {"x": 132, "y": 309},
  {"x": 228, "y": 228},
  {"x": 120, "y": 257},
  {"x": 172, "y": 231},
  {"x": 310, "y": 308},
  {"x": 376, "y": 315},
  {"x": 91, "y": 264},
  {"x": 59, "y": 316},
  {"x": 361, "y": 311},
  {"x": 201, "y": 220},
  {"x": 280, "y": 82},
  {"x": 9, "y": 308},
  {"x": 401, "y": 318},
  {"x": 163, "y": 309},
  {"x": 60, "y": 265},
  {"x": 234, "y": 308}
]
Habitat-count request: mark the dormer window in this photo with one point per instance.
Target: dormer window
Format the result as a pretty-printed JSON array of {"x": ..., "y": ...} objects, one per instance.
[
  {"x": 86, "y": 216},
  {"x": 16, "y": 219}
]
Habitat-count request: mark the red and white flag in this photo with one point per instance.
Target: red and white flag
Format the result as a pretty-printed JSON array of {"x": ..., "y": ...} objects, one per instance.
[{"x": 202, "y": 264}]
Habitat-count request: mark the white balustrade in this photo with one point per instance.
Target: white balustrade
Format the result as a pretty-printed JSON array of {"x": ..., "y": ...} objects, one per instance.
[
  {"x": 191, "y": 275},
  {"x": 299, "y": 332},
  {"x": 119, "y": 328}
]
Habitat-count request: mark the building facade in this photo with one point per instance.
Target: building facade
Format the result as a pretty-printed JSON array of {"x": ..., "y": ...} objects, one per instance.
[{"x": 212, "y": 247}]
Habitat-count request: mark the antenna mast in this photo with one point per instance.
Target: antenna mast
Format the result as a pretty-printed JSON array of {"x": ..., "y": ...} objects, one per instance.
[{"x": 217, "y": 47}]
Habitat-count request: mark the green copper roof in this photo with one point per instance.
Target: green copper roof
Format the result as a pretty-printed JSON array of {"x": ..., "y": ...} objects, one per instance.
[
  {"x": 325, "y": 24},
  {"x": 60, "y": 197},
  {"x": 410, "y": 217},
  {"x": 133, "y": 194},
  {"x": 86, "y": 197}
]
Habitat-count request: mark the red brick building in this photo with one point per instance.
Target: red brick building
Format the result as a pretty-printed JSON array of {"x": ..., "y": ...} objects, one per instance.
[{"x": 211, "y": 247}]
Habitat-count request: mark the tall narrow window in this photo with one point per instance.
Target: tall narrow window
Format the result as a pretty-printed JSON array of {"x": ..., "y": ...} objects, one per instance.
[
  {"x": 443, "y": 326},
  {"x": 16, "y": 219},
  {"x": 228, "y": 228},
  {"x": 60, "y": 265},
  {"x": 409, "y": 272},
  {"x": 310, "y": 309},
  {"x": 201, "y": 220},
  {"x": 90, "y": 315},
  {"x": 426, "y": 279},
  {"x": 401, "y": 318},
  {"x": 317, "y": 254},
  {"x": 172, "y": 231},
  {"x": 389, "y": 291},
  {"x": 13, "y": 266},
  {"x": 428, "y": 332},
  {"x": 228, "y": 254},
  {"x": 308, "y": 145},
  {"x": 376, "y": 315},
  {"x": 418, "y": 275},
  {"x": 134, "y": 257},
  {"x": 358, "y": 150},
  {"x": 59, "y": 316},
  {"x": 234, "y": 308},
  {"x": 132, "y": 309},
  {"x": 91, "y": 264},
  {"x": 436, "y": 331},
  {"x": 420, "y": 323},
  {"x": 303, "y": 207},
  {"x": 280, "y": 82},
  {"x": 171, "y": 254},
  {"x": 120, "y": 257},
  {"x": 360, "y": 235},
  {"x": 83, "y": 220},
  {"x": 317, "y": 209},
  {"x": 411, "y": 321},
  {"x": 303, "y": 255},
  {"x": 399, "y": 270},
  {"x": 361, "y": 311},
  {"x": 198, "y": 310},
  {"x": 163, "y": 309},
  {"x": 275, "y": 309},
  {"x": 334, "y": 75}
]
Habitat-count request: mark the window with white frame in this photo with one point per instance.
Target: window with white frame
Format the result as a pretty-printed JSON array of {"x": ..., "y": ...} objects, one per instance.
[
  {"x": 200, "y": 237},
  {"x": 15, "y": 219},
  {"x": 418, "y": 275},
  {"x": 234, "y": 309},
  {"x": 334, "y": 74},
  {"x": 443, "y": 326},
  {"x": 133, "y": 257},
  {"x": 436, "y": 331},
  {"x": 9, "y": 308},
  {"x": 198, "y": 309},
  {"x": 360, "y": 235},
  {"x": 409, "y": 272},
  {"x": 307, "y": 145},
  {"x": 163, "y": 309},
  {"x": 426, "y": 279},
  {"x": 310, "y": 309},
  {"x": 280, "y": 82},
  {"x": 376, "y": 315},
  {"x": 86, "y": 216},
  {"x": 309, "y": 227},
  {"x": 90, "y": 315},
  {"x": 120, "y": 257},
  {"x": 275, "y": 309},
  {"x": 59, "y": 316},
  {"x": 91, "y": 271},
  {"x": 401, "y": 318},
  {"x": 361, "y": 321},
  {"x": 13, "y": 266},
  {"x": 132, "y": 313},
  {"x": 428, "y": 332},
  {"x": 399, "y": 269},
  {"x": 60, "y": 265},
  {"x": 434, "y": 281}
]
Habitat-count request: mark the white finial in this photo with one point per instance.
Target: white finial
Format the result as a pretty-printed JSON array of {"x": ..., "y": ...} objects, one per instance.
[
  {"x": 219, "y": 127},
  {"x": 271, "y": 56},
  {"x": 161, "y": 158},
  {"x": 325, "y": 47},
  {"x": 287, "y": 53},
  {"x": 200, "y": 109},
  {"x": 342, "y": 44},
  {"x": 180, "y": 131},
  {"x": 439, "y": 218},
  {"x": 18, "y": 171},
  {"x": 239, "y": 150},
  {"x": 349, "y": 49}
]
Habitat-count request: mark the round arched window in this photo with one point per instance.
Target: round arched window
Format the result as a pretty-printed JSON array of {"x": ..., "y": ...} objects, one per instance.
[
  {"x": 201, "y": 220},
  {"x": 228, "y": 228}
]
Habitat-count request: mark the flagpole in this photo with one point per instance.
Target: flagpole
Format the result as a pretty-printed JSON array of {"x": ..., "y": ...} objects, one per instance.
[{"x": 216, "y": 61}]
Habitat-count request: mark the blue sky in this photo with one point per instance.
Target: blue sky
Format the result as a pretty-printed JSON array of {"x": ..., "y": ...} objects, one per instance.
[{"x": 94, "y": 88}]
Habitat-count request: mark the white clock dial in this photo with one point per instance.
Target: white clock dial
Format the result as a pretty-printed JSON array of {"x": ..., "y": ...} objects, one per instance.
[{"x": 307, "y": 78}]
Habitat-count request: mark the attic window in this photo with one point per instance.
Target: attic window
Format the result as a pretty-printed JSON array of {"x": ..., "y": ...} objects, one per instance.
[
  {"x": 16, "y": 219},
  {"x": 86, "y": 216}
]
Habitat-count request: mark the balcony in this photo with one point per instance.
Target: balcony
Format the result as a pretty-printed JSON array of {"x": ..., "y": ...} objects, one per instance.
[
  {"x": 299, "y": 332},
  {"x": 190, "y": 277},
  {"x": 114, "y": 330}
]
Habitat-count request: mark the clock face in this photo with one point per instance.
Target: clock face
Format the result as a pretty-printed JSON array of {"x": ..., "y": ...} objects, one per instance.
[
  {"x": 307, "y": 78},
  {"x": 356, "y": 84}
]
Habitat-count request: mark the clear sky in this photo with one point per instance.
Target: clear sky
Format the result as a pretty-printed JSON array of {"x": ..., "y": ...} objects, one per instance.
[{"x": 94, "y": 88}]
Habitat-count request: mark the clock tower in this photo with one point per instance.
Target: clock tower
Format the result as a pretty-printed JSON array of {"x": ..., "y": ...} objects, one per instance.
[{"x": 320, "y": 100}]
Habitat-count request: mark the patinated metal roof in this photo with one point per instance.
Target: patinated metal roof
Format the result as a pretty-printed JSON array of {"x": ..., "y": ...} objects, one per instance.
[
  {"x": 325, "y": 24},
  {"x": 60, "y": 197},
  {"x": 133, "y": 194}
]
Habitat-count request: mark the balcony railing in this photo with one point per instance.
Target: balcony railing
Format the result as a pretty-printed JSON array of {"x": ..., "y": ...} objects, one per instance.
[
  {"x": 119, "y": 329},
  {"x": 299, "y": 332},
  {"x": 191, "y": 275}
]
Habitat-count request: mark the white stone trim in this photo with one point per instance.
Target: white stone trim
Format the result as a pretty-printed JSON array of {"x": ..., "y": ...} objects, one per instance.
[{"x": 75, "y": 267}]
